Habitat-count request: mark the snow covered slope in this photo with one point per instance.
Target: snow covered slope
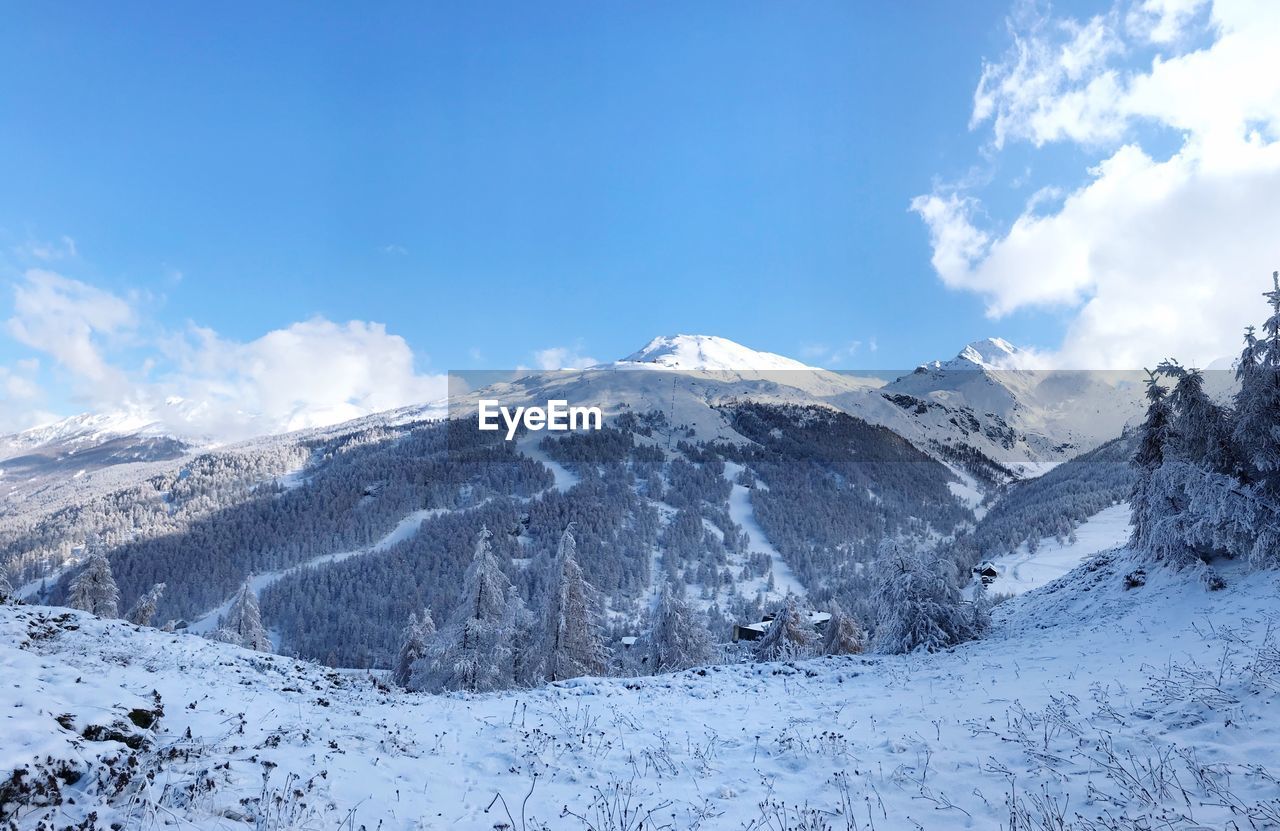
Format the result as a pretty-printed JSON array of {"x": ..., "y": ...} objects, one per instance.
[
  {"x": 1088, "y": 707},
  {"x": 1054, "y": 413},
  {"x": 1028, "y": 568}
]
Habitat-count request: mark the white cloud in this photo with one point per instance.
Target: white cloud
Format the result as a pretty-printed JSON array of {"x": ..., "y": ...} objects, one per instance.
[
  {"x": 197, "y": 383},
  {"x": 1162, "y": 21},
  {"x": 68, "y": 320},
  {"x": 1155, "y": 256},
  {"x": 562, "y": 357},
  {"x": 309, "y": 374}
]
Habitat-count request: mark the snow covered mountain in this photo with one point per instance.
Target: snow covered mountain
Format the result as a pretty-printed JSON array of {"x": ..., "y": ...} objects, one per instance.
[
  {"x": 742, "y": 474},
  {"x": 706, "y": 353},
  {"x": 993, "y": 386},
  {"x": 86, "y": 428},
  {"x": 988, "y": 353},
  {"x": 980, "y": 402},
  {"x": 66, "y": 451}
]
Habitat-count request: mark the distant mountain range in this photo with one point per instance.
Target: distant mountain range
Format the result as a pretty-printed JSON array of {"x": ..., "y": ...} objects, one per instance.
[
  {"x": 1020, "y": 419},
  {"x": 739, "y": 474}
]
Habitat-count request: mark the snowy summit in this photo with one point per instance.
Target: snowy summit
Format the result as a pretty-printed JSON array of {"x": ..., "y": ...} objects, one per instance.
[
  {"x": 706, "y": 353},
  {"x": 988, "y": 353}
]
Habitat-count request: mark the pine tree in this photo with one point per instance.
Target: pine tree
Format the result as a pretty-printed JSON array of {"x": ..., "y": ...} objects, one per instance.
[
  {"x": 1257, "y": 428},
  {"x": 94, "y": 589},
  {"x": 843, "y": 635},
  {"x": 574, "y": 645},
  {"x": 475, "y": 650},
  {"x": 918, "y": 603},
  {"x": 6, "y": 588},
  {"x": 242, "y": 625},
  {"x": 1201, "y": 430},
  {"x": 789, "y": 635},
  {"x": 677, "y": 637},
  {"x": 413, "y": 646},
  {"x": 145, "y": 609},
  {"x": 1147, "y": 504},
  {"x": 981, "y": 609}
]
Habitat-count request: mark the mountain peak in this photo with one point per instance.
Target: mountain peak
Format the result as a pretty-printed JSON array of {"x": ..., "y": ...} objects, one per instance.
[
  {"x": 988, "y": 353},
  {"x": 706, "y": 353}
]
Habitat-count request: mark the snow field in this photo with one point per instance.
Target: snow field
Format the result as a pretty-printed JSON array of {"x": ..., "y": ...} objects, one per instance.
[
  {"x": 1024, "y": 570},
  {"x": 1088, "y": 706}
]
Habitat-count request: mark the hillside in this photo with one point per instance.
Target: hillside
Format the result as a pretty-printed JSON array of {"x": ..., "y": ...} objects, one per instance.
[
  {"x": 1088, "y": 706},
  {"x": 739, "y": 474}
]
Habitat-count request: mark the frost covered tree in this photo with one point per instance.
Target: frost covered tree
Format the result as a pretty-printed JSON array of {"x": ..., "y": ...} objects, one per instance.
[
  {"x": 843, "y": 635},
  {"x": 94, "y": 589},
  {"x": 413, "y": 646},
  {"x": 141, "y": 613},
  {"x": 918, "y": 604},
  {"x": 1147, "y": 503},
  {"x": 1257, "y": 404},
  {"x": 980, "y": 609},
  {"x": 1201, "y": 429},
  {"x": 476, "y": 648},
  {"x": 574, "y": 645},
  {"x": 789, "y": 635},
  {"x": 242, "y": 625},
  {"x": 6, "y": 588},
  {"x": 678, "y": 639}
]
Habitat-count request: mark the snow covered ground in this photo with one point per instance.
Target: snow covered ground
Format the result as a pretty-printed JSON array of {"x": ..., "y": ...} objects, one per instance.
[
  {"x": 1024, "y": 570},
  {"x": 1089, "y": 706}
]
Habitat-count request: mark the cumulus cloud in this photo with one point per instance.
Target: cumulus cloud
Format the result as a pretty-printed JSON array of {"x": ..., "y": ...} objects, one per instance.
[
  {"x": 1155, "y": 254},
  {"x": 196, "y": 382},
  {"x": 309, "y": 374},
  {"x": 69, "y": 320}
]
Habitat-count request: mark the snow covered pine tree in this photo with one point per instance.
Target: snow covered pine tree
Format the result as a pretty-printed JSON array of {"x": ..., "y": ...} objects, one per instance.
[
  {"x": 144, "y": 609},
  {"x": 918, "y": 604},
  {"x": 843, "y": 635},
  {"x": 94, "y": 589},
  {"x": 475, "y": 649},
  {"x": 417, "y": 634},
  {"x": 677, "y": 637},
  {"x": 243, "y": 624},
  {"x": 573, "y": 642},
  {"x": 1209, "y": 476},
  {"x": 1147, "y": 504},
  {"x": 789, "y": 635},
  {"x": 1257, "y": 428}
]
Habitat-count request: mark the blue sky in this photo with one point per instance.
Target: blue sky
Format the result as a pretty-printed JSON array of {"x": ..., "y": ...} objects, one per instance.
[{"x": 490, "y": 180}]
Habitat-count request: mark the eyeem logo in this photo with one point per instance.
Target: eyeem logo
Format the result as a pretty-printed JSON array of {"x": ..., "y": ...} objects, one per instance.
[{"x": 557, "y": 415}]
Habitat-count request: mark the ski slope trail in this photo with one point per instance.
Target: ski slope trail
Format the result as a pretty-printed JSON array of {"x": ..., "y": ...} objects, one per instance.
[
  {"x": 531, "y": 446},
  {"x": 405, "y": 528},
  {"x": 1024, "y": 570},
  {"x": 742, "y": 513}
]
